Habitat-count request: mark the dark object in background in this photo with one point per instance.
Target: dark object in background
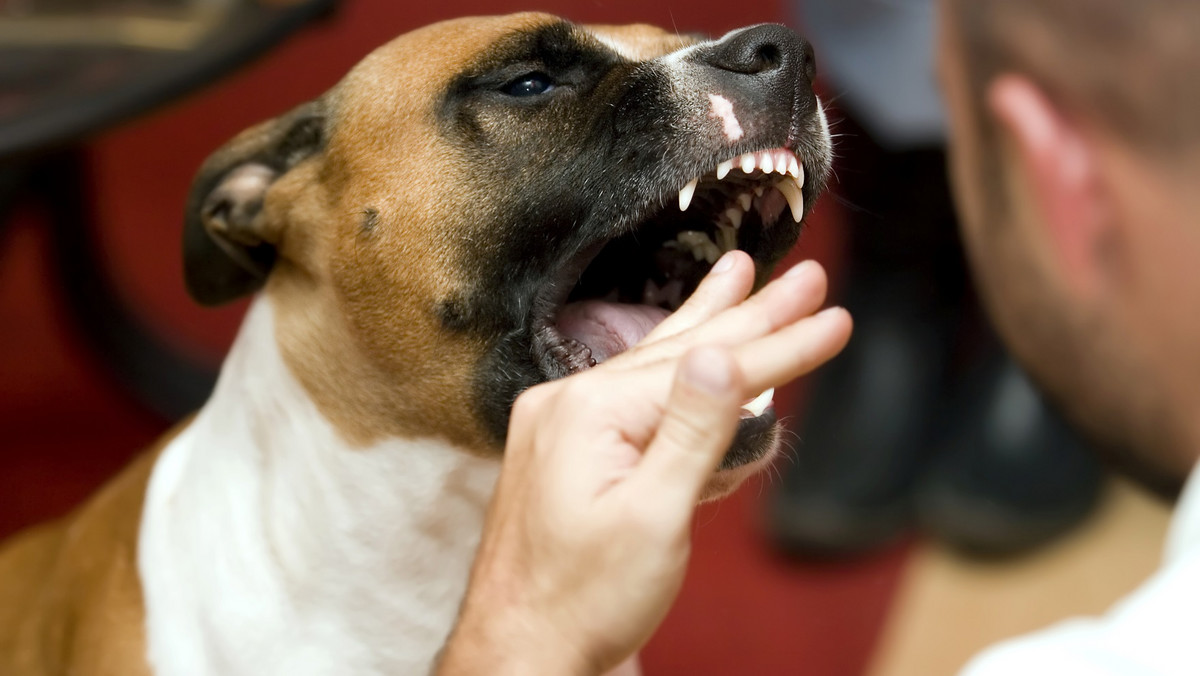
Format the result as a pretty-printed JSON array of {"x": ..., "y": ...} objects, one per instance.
[
  {"x": 1013, "y": 475},
  {"x": 72, "y": 67},
  {"x": 910, "y": 420}
]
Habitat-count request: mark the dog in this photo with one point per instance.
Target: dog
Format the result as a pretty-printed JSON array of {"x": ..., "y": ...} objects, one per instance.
[{"x": 480, "y": 206}]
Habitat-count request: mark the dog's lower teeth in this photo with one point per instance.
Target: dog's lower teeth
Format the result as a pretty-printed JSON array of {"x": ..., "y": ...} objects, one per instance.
[
  {"x": 735, "y": 216},
  {"x": 700, "y": 245},
  {"x": 758, "y": 405},
  {"x": 726, "y": 237}
]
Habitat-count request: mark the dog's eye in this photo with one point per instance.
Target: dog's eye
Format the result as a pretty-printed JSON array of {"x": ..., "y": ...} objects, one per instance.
[{"x": 529, "y": 84}]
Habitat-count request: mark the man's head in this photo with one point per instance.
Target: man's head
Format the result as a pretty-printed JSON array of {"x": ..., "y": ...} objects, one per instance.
[{"x": 1076, "y": 146}]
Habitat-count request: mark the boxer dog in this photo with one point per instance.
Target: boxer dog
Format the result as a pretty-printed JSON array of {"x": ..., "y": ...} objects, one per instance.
[{"x": 479, "y": 206}]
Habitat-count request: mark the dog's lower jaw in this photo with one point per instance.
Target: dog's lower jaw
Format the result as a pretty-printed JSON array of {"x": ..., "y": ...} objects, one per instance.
[{"x": 269, "y": 545}]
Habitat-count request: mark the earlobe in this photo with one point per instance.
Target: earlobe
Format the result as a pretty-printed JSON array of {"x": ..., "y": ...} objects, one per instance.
[{"x": 1061, "y": 174}]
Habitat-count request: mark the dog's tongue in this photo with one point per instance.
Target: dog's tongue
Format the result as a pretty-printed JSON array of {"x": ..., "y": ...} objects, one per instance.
[{"x": 608, "y": 328}]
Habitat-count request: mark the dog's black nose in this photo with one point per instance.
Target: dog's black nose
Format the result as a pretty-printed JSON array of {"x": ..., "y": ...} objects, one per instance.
[{"x": 768, "y": 51}]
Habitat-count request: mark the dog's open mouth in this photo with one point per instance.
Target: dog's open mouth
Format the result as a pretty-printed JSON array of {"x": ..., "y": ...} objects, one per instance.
[{"x": 612, "y": 294}]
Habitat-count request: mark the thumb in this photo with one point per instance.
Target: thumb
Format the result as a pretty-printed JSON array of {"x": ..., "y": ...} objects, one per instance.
[{"x": 698, "y": 425}]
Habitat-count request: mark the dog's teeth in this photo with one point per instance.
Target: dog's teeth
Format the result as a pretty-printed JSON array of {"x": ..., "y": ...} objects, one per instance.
[
  {"x": 794, "y": 196},
  {"x": 724, "y": 168},
  {"x": 766, "y": 163},
  {"x": 700, "y": 244},
  {"x": 735, "y": 215},
  {"x": 796, "y": 169},
  {"x": 747, "y": 162},
  {"x": 758, "y": 405},
  {"x": 759, "y": 190},
  {"x": 672, "y": 293},
  {"x": 781, "y": 162},
  {"x": 745, "y": 200},
  {"x": 726, "y": 237},
  {"x": 685, "y": 195},
  {"x": 651, "y": 294}
]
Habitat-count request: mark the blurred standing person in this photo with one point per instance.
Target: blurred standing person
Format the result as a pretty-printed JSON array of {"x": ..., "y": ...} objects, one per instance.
[{"x": 924, "y": 417}]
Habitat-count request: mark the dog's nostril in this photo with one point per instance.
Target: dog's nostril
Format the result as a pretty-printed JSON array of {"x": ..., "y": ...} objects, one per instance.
[
  {"x": 768, "y": 49},
  {"x": 767, "y": 58}
]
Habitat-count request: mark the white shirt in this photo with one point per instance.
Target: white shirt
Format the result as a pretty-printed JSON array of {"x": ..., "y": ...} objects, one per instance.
[{"x": 1153, "y": 631}]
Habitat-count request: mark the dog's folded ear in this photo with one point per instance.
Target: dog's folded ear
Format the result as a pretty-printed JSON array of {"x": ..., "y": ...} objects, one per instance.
[{"x": 226, "y": 251}]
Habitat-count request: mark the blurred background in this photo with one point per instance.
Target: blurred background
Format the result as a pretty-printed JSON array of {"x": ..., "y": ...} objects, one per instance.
[{"x": 100, "y": 133}]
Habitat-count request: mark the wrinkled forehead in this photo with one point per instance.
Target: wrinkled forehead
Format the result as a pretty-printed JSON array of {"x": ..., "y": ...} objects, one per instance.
[
  {"x": 429, "y": 59},
  {"x": 639, "y": 42},
  {"x": 392, "y": 95}
]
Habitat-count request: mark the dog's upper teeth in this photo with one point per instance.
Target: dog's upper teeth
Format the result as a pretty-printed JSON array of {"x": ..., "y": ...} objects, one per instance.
[
  {"x": 724, "y": 168},
  {"x": 797, "y": 170},
  {"x": 766, "y": 162},
  {"x": 794, "y": 194},
  {"x": 685, "y": 195},
  {"x": 759, "y": 404},
  {"x": 747, "y": 163},
  {"x": 745, "y": 200}
]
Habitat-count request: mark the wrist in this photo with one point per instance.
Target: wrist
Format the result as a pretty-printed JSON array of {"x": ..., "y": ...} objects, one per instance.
[{"x": 503, "y": 640}]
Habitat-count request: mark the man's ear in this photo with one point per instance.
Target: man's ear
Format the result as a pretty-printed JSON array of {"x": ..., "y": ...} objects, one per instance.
[
  {"x": 1064, "y": 178},
  {"x": 227, "y": 252}
]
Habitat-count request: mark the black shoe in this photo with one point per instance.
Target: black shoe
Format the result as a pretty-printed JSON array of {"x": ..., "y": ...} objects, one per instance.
[
  {"x": 864, "y": 437},
  {"x": 1012, "y": 475}
]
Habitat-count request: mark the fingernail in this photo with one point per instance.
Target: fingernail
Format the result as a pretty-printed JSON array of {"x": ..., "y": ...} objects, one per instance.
[
  {"x": 707, "y": 369},
  {"x": 830, "y": 311},
  {"x": 723, "y": 264},
  {"x": 801, "y": 268}
]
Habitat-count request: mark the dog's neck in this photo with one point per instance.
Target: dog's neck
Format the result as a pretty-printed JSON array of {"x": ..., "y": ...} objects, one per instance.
[{"x": 269, "y": 545}]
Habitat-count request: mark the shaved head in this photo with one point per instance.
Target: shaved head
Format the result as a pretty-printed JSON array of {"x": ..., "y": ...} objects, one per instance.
[{"x": 1130, "y": 65}]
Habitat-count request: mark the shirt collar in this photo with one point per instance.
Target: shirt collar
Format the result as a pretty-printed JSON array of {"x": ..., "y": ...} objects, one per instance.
[{"x": 1183, "y": 539}]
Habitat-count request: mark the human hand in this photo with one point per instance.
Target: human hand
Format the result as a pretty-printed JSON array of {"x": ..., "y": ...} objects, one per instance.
[{"x": 587, "y": 537}]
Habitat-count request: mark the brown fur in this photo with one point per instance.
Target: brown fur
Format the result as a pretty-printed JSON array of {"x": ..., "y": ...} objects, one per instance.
[
  {"x": 70, "y": 599},
  {"x": 354, "y": 305}
]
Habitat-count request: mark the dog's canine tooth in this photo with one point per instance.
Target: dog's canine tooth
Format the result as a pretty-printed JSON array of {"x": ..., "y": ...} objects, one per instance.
[
  {"x": 745, "y": 200},
  {"x": 747, "y": 163},
  {"x": 758, "y": 405},
  {"x": 724, "y": 168},
  {"x": 794, "y": 195},
  {"x": 685, "y": 195},
  {"x": 735, "y": 215}
]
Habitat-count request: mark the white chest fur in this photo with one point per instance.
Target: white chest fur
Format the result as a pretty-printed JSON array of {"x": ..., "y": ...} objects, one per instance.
[{"x": 269, "y": 546}]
